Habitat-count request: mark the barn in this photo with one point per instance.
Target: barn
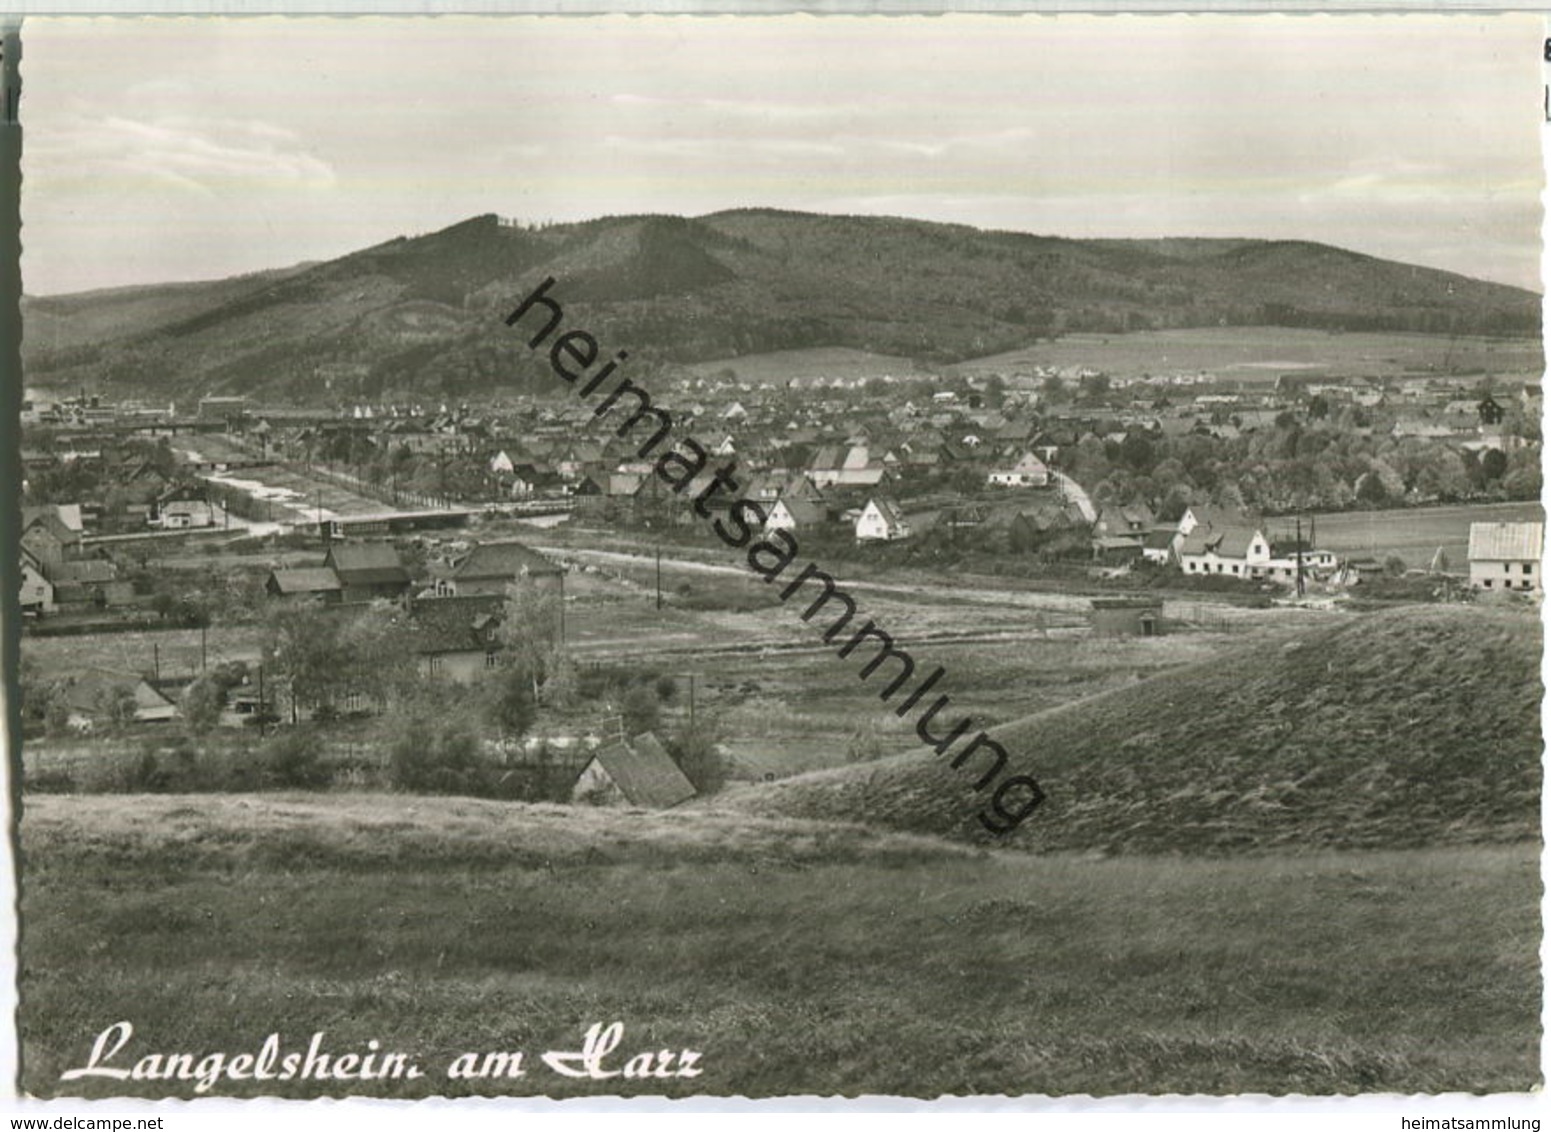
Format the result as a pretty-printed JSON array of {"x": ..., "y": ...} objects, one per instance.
[{"x": 633, "y": 772}]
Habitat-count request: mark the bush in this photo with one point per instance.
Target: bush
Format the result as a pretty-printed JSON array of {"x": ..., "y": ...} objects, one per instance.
[
  {"x": 511, "y": 705},
  {"x": 292, "y": 759},
  {"x": 49, "y": 782},
  {"x": 699, "y": 755},
  {"x": 202, "y": 704},
  {"x": 866, "y": 744},
  {"x": 639, "y": 711},
  {"x": 429, "y": 762},
  {"x": 412, "y": 756},
  {"x": 162, "y": 768}
]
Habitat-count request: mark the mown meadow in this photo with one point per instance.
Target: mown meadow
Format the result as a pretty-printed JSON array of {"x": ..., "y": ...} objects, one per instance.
[{"x": 796, "y": 956}]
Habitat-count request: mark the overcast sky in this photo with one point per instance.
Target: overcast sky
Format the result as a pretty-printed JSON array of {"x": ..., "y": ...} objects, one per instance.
[{"x": 166, "y": 149}]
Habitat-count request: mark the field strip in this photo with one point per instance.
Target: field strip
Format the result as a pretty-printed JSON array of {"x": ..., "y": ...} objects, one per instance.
[{"x": 934, "y": 594}]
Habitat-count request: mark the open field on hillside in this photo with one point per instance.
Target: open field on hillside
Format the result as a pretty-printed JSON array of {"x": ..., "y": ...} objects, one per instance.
[
  {"x": 1413, "y": 727},
  {"x": 801, "y": 366},
  {"x": 1264, "y": 353},
  {"x": 1413, "y": 535},
  {"x": 796, "y": 957},
  {"x": 179, "y": 650}
]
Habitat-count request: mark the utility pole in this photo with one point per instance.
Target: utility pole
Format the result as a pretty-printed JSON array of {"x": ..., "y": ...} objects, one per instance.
[
  {"x": 562, "y": 610},
  {"x": 659, "y": 575},
  {"x": 261, "y": 706},
  {"x": 203, "y": 658},
  {"x": 156, "y": 660},
  {"x": 1299, "y": 539}
]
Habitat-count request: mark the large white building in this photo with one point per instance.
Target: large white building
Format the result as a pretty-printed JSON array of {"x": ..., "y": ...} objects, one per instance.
[
  {"x": 1246, "y": 552},
  {"x": 1506, "y": 556}
]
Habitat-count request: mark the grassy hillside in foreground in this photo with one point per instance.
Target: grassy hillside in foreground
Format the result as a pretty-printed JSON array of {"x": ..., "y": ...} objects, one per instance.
[
  {"x": 1406, "y": 728},
  {"x": 797, "y": 958}
]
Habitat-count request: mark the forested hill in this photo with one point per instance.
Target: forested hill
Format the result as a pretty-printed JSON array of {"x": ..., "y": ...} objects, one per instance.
[{"x": 423, "y": 315}]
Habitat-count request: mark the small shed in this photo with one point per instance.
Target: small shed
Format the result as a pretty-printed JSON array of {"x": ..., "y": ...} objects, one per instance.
[
  {"x": 1127, "y": 616},
  {"x": 635, "y": 772}
]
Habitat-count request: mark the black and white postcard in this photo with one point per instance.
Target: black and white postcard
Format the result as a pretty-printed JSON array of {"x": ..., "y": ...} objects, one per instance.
[{"x": 773, "y": 556}]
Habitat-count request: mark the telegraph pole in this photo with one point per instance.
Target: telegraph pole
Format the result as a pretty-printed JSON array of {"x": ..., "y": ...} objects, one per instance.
[
  {"x": 659, "y": 575},
  {"x": 1299, "y": 539},
  {"x": 562, "y": 610}
]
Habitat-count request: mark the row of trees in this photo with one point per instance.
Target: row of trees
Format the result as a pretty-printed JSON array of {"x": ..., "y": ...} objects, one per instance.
[{"x": 1297, "y": 467}]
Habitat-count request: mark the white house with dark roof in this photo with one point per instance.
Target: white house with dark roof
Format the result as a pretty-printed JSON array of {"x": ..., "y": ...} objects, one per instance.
[
  {"x": 881, "y": 521},
  {"x": 37, "y": 592},
  {"x": 1506, "y": 556},
  {"x": 1027, "y": 470},
  {"x": 851, "y": 466},
  {"x": 1246, "y": 552},
  {"x": 794, "y": 514}
]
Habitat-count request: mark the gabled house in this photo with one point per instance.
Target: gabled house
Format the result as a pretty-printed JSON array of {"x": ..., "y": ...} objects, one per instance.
[
  {"x": 1211, "y": 517},
  {"x": 1158, "y": 545},
  {"x": 1129, "y": 520},
  {"x": 93, "y": 695},
  {"x": 844, "y": 466},
  {"x": 1246, "y": 552},
  {"x": 37, "y": 592},
  {"x": 306, "y": 583},
  {"x": 49, "y": 536},
  {"x": 1506, "y": 556},
  {"x": 1025, "y": 470},
  {"x": 634, "y": 772},
  {"x": 183, "y": 506},
  {"x": 881, "y": 521},
  {"x": 1044, "y": 527},
  {"x": 800, "y": 486},
  {"x": 590, "y": 498},
  {"x": 367, "y": 571},
  {"x": 794, "y": 514},
  {"x": 492, "y": 566},
  {"x": 457, "y": 638},
  {"x": 89, "y": 581}
]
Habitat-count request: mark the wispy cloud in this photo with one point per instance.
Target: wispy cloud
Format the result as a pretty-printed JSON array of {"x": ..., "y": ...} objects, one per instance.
[{"x": 207, "y": 155}]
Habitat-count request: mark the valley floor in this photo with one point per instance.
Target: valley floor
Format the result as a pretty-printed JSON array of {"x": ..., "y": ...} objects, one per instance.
[{"x": 797, "y": 957}]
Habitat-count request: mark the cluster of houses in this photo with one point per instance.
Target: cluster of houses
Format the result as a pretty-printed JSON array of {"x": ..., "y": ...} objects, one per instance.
[
  {"x": 57, "y": 571},
  {"x": 455, "y": 603}
]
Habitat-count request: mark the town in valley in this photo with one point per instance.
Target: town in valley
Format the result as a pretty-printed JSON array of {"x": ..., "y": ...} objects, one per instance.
[{"x": 1249, "y": 583}]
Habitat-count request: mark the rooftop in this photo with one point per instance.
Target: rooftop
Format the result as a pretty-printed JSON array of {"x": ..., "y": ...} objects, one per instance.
[
  {"x": 1519, "y": 542},
  {"x": 645, "y": 773}
]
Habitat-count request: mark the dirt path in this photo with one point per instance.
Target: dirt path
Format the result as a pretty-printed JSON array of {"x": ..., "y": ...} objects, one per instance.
[{"x": 933, "y": 594}]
